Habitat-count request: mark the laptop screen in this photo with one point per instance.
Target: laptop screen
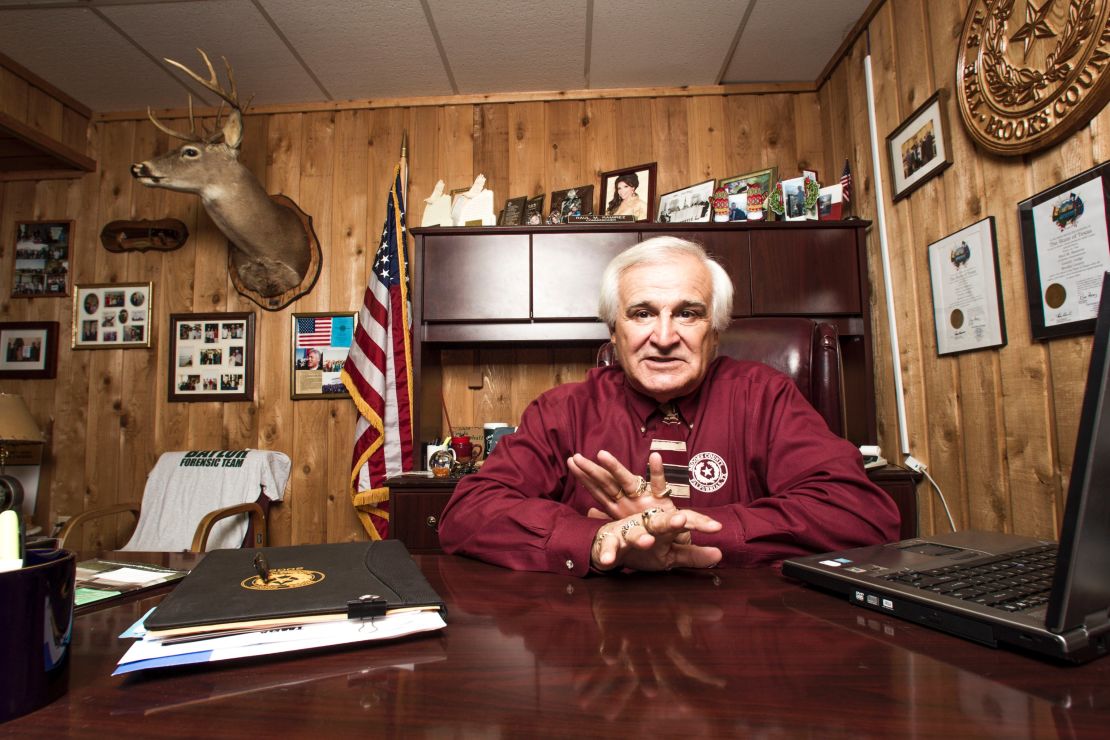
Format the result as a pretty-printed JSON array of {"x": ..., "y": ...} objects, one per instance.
[{"x": 1082, "y": 582}]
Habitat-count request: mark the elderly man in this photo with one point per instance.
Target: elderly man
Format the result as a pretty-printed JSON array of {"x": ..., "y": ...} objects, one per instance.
[{"x": 740, "y": 469}]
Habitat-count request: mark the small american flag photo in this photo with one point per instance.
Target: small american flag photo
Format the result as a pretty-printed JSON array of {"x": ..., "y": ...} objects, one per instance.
[
  {"x": 314, "y": 332},
  {"x": 321, "y": 343}
]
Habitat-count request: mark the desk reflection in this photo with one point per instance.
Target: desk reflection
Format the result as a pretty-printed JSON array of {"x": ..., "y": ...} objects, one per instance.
[{"x": 723, "y": 653}]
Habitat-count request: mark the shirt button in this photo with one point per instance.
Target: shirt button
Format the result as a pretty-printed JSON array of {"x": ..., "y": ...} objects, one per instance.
[{"x": 570, "y": 565}]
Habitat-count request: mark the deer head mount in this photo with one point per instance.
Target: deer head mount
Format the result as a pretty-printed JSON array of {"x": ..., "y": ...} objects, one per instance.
[{"x": 275, "y": 256}]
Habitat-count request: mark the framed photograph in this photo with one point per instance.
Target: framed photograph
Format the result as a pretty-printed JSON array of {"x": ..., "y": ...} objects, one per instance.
[
  {"x": 1064, "y": 241},
  {"x": 320, "y": 344},
  {"x": 513, "y": 215},
  {"x": 967, "y": 290},
  {"x": 687, "y": 205},
  {"x": 764, "y": 180},
  {"x": 577, "y": 201},
  {"x": 919, "y": 148},
  {"x": 211, "y": 357},
  {"x": 41, "y": 265},
  {"x": 533, "y": 210},
  {"x": 107, "y": 315},
  {"x": 830, "y": 203},
  {"x": 28, "y": 350},
  {"x": 629, "y": 192},
  {"x": 794, "y": 200}
]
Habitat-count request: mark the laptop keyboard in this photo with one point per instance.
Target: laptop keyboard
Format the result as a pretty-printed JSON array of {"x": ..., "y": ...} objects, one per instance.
[{"x": 1013, "y": 582}]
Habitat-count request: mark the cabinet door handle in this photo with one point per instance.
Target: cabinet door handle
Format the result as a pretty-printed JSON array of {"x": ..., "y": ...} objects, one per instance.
[{"x": 432, "y": 522}]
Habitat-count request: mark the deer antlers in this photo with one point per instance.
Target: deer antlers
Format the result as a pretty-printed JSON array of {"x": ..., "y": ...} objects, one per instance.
[{"x": 212, "y": 84}]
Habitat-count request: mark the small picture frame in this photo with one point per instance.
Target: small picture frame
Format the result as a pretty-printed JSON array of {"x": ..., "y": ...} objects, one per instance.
[
  {"x": 967, "y": 290},
  {"x": 629, "y": 192},
  {"x": 794, "y": 200},
  {"x": 830, "y": 203},
  {"x": 320, "y": 344},
  {"x": 533, "y": 210},
  {"x": 577, "y": 201},
  {"x": 211, "y": 357},
  {"x": 513, "y": 215},
  {"x": 112, "y": 315},
  {"x": 1065, "y": 241},
  {"x": 764, "y": 180},
  {"x": 919, "y": 148},
  {"x": 41, "y": 264},
  {"x": 28, "y": 350},
  {"x": 688, "y": 205}
]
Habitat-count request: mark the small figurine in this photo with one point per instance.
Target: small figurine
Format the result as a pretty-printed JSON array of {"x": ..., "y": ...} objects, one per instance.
[
  {"x": 756, "y": 200},
  {"x": 719, "y": 199},
  {"x": 438, "y": 210}
]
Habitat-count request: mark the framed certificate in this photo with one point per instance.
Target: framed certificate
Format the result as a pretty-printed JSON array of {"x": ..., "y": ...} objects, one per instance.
[
  {"x": 1064, "y": 242},
  {"x": 967, "y": 291}
]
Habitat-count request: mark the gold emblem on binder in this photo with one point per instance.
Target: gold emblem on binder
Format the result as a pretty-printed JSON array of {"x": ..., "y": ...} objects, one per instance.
[{"x": 283, "y": 579}]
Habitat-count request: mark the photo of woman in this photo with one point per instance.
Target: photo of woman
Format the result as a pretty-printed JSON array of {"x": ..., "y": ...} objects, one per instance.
[
  {"x": 629, "y": 192},
  {"x": 626, "y": 201}
]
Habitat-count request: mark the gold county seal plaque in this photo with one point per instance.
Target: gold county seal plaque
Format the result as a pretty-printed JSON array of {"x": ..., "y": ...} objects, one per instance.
[{"x": 1030, "y": 73}]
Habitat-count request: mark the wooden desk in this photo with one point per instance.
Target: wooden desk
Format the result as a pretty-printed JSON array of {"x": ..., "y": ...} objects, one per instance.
[
  {"x": 726, "y": 653},
  {"x": 417, "y": 505}
]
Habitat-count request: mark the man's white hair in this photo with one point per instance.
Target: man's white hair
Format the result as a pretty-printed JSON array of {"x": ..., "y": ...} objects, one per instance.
[{"x": 658, "y": 250}]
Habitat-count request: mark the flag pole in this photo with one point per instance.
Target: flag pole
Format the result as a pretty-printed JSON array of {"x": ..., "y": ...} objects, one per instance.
[{"x": 405, "y": 167}]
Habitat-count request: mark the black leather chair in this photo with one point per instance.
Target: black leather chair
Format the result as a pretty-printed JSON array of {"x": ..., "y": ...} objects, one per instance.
[{"x": 806, "y": 351}]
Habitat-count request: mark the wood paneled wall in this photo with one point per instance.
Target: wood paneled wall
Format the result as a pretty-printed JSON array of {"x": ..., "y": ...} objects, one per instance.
[
  {"x": 995, "y": 427},
  {"x": 107, "y": 410},
  {"x": 35, "y": 102}
]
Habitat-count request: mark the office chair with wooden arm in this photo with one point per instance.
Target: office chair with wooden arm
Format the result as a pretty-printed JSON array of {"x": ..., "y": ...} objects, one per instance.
[{"x": 194, "y": 499}]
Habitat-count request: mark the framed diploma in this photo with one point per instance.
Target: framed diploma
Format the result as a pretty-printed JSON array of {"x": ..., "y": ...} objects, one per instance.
[
  {"x": 967, "y": 291},
  {"x": 1064, "y": 243}
]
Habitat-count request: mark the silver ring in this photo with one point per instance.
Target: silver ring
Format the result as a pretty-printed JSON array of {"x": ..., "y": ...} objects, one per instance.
[
  {"x": 645, "y": 517},
  {"x": 663, "y": 494},
  {"x": 627, "y": 527}
]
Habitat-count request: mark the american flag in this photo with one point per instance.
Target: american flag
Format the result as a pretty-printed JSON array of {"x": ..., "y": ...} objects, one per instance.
[
  {"x": 314, "y": 332},
  {"x": 846, "y": 182},
  {"x": 378, "y": 373}
]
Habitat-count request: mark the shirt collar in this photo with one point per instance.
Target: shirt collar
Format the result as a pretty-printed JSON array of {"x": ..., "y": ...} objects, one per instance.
[{"x": 643, "y": 407}]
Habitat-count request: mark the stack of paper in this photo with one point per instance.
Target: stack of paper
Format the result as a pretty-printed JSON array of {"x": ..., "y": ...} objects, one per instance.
[{"x": 149, "y": 651}]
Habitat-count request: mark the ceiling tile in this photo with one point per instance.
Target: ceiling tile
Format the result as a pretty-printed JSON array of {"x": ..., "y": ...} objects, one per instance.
[
  {"x": 235, "y": 29},
  {"x": 662, "y": 43},
  {"x": 523, "y": 45},
  {"x": 815, "y": 31},
  {"x": 58, "y": 44},
  {"x": 363, "y": 50}
]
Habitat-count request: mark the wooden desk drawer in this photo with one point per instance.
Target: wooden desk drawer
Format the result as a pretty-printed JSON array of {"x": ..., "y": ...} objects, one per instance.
[{"x": 414, "y": 516}]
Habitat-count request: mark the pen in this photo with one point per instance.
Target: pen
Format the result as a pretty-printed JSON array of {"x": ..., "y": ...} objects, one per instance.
[{"x": 262, "y": 567}]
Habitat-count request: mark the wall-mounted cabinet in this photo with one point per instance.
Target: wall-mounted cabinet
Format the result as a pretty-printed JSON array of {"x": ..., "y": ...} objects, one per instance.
[{"x": 482, "y": 287}]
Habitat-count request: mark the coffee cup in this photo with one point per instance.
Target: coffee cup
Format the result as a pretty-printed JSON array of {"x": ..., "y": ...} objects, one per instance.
[
  {"x": 464, "y": 449},
  {"x": 488, "y": 430}
]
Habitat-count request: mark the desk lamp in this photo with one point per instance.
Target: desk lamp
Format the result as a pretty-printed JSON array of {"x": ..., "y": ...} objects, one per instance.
[{"x": 17, "y": 428}]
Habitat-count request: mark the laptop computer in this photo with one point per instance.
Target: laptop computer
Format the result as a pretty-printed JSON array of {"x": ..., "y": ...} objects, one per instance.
[{"x": 999, "y": 589}]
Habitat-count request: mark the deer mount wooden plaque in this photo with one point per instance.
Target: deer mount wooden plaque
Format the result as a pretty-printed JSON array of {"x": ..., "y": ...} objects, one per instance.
[{"x": 1030, "y": 73}]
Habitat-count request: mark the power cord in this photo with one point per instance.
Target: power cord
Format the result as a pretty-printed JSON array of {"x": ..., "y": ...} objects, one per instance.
[{"x": 919, "y": 467}]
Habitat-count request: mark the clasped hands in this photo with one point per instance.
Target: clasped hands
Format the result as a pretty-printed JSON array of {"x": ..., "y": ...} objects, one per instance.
[{"x": 645, "y": 531}]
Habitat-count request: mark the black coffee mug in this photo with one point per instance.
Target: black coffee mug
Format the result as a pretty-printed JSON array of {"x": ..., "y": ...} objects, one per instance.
[{"x": 35, "y": 639}]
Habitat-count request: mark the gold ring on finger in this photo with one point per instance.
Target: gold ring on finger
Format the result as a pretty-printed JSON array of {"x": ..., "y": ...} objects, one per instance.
[
  {"x": 641, "y": 488},
  {"x": 663, "y": 494},
  {"x": 627, "y": 527},
  {"x": 646, "y": 516}
]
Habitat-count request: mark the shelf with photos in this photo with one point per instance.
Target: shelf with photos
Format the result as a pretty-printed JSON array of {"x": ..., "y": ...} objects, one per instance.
[{"x": 628, "y": 195}]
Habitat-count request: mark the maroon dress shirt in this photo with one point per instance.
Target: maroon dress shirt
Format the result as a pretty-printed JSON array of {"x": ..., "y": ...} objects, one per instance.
[{"x": 762, "y": 462}]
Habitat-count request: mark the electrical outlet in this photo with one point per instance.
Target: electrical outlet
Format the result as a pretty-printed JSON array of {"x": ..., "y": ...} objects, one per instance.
[{"x": 915, "y": 465}]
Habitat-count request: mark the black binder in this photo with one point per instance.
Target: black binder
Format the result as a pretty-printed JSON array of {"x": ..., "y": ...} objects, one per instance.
[{"x": 235, "y": 589}]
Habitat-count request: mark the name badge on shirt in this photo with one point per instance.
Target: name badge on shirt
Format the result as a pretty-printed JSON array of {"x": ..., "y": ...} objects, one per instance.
[{"x": 669, "y": 445}]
